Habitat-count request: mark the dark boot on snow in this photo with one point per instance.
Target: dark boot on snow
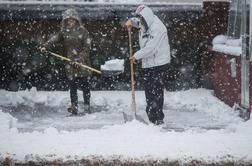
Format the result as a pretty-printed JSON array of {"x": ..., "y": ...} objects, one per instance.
[
  {"x": 73, "y": 110},
  {"x": 87, "y": 109},
  {"x": 159, "y": 122}
]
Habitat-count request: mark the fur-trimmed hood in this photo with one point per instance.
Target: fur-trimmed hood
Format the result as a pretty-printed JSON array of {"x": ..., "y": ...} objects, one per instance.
[{"x": 70, "y": 13}]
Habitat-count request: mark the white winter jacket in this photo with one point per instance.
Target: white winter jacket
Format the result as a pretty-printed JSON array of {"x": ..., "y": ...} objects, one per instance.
[{"x": 154, "y": 46}]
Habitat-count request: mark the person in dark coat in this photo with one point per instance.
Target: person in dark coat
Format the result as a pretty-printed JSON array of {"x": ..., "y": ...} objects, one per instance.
[
  {"x": 76, "y": 42},
  {"x": 155, "y": 55}
]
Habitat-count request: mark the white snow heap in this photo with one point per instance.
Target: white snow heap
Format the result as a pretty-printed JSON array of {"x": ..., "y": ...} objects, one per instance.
[
  {"x": 220, "y": 39},
  {"x": 6, "y": 122},
  {"x": 234, "y": 42},
  {"x": 113, "y": 65},
  {"x": 30, "y": 97},
  {"x": 225, "y": 45}
]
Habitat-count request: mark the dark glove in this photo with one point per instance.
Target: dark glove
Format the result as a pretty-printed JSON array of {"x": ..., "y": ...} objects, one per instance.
[{"x": 74, "y": 65}]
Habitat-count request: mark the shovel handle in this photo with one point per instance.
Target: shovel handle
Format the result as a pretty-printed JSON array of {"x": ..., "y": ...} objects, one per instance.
[
  {"x": 132, "y": 73},
  {"x": 80, "y": 64}
]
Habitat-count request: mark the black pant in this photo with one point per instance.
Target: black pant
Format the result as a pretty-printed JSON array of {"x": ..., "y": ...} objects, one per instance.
[
  {"x": 82, "y": 83},
  {"x": 153, "y": 80}
]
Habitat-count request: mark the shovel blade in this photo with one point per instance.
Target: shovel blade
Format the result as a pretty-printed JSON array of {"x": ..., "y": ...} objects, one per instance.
[
  {"x": 111, "y": 73},
  {"x": 140, "y": 119},
  {"x": 129, "y": 118}
]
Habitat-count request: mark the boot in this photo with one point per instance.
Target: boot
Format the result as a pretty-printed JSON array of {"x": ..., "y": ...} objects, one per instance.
[
  {"x": 87, "y": 108},
  {"x": 73, "y": 110},
  {"x": 159, "y": 122}
]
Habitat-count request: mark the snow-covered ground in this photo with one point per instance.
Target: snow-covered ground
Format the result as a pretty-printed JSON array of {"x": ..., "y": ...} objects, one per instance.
[{"x": 34, "y": 125}]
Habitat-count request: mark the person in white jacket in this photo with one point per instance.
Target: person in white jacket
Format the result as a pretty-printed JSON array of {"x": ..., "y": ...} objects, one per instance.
[{"x": 155, "y": 55}]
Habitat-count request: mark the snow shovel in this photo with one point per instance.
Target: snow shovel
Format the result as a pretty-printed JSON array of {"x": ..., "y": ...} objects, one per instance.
[
  {"x": 103, "y": 73},
  {"x": 133, "y": 104}
]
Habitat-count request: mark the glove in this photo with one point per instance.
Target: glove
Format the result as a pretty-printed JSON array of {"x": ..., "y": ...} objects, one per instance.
[
  {"x": 129, "y": 24},
  {"x": 42, "y": 49},
  {"x": 133, "y": 59},
  {"x": 74, "y": 65}
]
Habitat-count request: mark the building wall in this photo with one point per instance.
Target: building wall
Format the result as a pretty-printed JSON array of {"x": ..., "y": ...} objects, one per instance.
[
  {"x": 214, "y": 22},
  {"x": 226, "y": 87}
]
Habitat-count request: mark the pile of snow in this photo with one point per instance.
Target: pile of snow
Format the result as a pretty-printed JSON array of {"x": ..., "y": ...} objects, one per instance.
[
  {"x": 230, "y": 50},
  {"x": 6, "y": 122},
  {"x": 30, "y": 97},
  {"x": 220, "y": 39},
  {"x": 234, "y": 42},
  {"x": 225, "y": 45},
  {"x": 114, "y": 65}
]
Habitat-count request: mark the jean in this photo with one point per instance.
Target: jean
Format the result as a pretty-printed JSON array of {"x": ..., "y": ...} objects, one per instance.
[
  {"x": 153, "y": 81},
  {"x": 82, "y": 83}
]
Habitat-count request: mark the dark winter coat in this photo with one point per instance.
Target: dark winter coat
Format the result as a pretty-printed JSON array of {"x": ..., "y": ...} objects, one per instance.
[{"x": 76, "y": 43}]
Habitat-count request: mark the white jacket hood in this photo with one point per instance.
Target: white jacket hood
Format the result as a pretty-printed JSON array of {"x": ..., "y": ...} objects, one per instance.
[{"x": 146, "y": 13}]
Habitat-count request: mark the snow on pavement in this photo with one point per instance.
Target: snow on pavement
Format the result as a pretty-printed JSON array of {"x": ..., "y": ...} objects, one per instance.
[{"x": 211, "y": 129}]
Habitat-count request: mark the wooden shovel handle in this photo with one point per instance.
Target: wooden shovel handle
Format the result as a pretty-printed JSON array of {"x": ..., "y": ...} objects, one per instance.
[
  {"x": 80, "y": 64},
  {"x": 132, "y": 73}
]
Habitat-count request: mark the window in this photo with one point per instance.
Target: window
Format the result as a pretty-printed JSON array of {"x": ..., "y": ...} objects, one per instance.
[
  {"x": 234, "y": 22},
  {"x": 235, "y": 18}
]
